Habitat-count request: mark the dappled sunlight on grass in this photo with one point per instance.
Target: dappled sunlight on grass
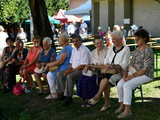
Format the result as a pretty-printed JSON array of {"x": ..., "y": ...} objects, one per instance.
[{"x": 34, "y": 107}]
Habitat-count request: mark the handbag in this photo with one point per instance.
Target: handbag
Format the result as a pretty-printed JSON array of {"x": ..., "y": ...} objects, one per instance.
[
  {"x": 18, "y": 89},
  {"x": 113, "y": 70},
  {"x": 109, "y": 71}
]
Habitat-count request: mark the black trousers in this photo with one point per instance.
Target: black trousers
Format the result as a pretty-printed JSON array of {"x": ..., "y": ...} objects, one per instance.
[{"x": 8, "y": 76}]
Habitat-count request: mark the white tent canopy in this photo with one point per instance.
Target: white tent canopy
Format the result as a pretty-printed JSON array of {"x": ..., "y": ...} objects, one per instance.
[{"x": 84, "y": 9}]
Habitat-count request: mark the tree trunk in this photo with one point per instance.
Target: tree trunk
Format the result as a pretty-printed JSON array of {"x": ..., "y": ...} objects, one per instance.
[{"x": 41, "y": 24}]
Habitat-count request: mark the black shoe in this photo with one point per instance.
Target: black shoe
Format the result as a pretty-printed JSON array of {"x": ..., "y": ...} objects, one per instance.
[
  {"x": 68, "y": 101},
  {"x": 62, "y": 98},
  {"x": 6, "y": 90},
  {"x": 41, "y": 93}
]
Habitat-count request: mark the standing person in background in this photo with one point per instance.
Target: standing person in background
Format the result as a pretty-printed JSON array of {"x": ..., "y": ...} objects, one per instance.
[
  {"x": 71, "y": 29},
  {"x": 100, "y": 32},
  {"x": 53, "y": 29},
  {"x": 84, "y": 26},
  {"x": 3, "y": 37},
  {"x": 12, "y": 33},
  {"x": 83, "y": 30},
  {"x": 21, "y": 35}
]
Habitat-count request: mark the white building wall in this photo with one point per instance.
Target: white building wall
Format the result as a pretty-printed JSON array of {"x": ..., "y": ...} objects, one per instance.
[
  {"x": 104, "y": 14},
  {"x": 119, "y": 12},
  {"x": 147, "y": 14}
]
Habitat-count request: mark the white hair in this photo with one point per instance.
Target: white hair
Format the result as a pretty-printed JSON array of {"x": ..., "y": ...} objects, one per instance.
[
  {"x": 118, "y": 33},
  {"x": 1, "y": 28},
  {"x": 47, "y": 39}
]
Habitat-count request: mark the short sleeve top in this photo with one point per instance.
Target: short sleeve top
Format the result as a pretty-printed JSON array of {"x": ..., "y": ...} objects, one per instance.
[
  {"x": 68, "y": 51},
  {"x": 143, "y": 60},
  {"x": 47, "y": 57}
]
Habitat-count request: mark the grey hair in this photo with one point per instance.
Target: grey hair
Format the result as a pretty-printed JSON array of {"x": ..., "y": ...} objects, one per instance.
[
  {"x": 118, "y": 33},
  {"x": 1, "y": 28},
  {"x": 64, "y": 36},
  {"x": 47, "y": 39}
]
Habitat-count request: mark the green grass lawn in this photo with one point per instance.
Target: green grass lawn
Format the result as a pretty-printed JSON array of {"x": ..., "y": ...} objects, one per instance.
[{"x": 34, "y": 107}]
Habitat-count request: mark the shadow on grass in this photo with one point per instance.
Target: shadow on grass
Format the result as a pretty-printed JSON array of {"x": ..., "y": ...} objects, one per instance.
[{"x": 34, "y": 107}]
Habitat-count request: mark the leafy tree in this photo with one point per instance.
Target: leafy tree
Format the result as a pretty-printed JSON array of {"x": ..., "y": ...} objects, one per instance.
[
  {"x": 54, "y": 5},
  {"x": 18, "y": 10},
  {"x": 14, "y": 10}
]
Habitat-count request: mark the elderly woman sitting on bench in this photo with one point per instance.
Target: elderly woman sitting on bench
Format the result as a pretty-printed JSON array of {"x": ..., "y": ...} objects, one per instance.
[
  {"x": 139, "y": 71},
  {"x": 116, "y": 61}
]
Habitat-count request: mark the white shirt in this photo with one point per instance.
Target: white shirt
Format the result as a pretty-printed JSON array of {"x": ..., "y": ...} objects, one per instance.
[
  {"x": 84, "y": 25},
  {"x": 53, "y": 28},
  {"x": 3, "y": 37},
  {"x": 122, "y": 57},
  {"x": 98, "y": 58},
  {"x": 22, "y": 36},
  {"x": 80, "y": 56},
  {"x": 83, "y": 28},
  {"x": 71, "y": 29}
]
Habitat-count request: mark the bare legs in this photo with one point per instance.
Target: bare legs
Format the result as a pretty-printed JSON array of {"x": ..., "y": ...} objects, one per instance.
[
  {"x": 27, "y": 76},
  {"x": 107, "y": 94},
  {"x": 39, "y": 82},
  {"x": 103, "y": 87}
]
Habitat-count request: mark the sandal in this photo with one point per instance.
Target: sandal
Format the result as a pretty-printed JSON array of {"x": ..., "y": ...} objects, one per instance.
[
  {"x": 92, "y": 101},
  {"x": 83, "y": 105},
  {"x": 88, "y": 105},
  {"x": 105, "y": 107},
  {"x": 51, "y": 97},
  {"x": 119, "y": 110},
  {"x": 124, "y": 115}
]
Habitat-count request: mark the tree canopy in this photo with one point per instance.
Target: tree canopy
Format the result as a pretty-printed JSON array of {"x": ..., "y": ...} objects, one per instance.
[
  {"x": 54, "y": 5},
  {"x": 12, "y": 11}
]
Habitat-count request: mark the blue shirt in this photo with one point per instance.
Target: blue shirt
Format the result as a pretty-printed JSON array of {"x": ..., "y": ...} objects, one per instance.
[
  {"x": 47, "y": 58},
  {"x": 67, "y": 50}
]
